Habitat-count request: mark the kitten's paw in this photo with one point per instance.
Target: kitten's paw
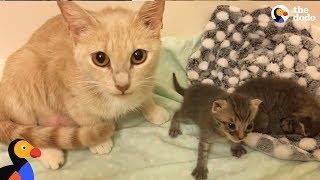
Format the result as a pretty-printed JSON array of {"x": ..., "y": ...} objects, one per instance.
[
  {"x": 102, "y": 148},
  {"x": 200, "y": 173},
  {"x": 238, "y": 151},
  {"x": 52, "y": 158},
  {"x": 175, "y": 131},
  {"x": 158, "y": 115}
]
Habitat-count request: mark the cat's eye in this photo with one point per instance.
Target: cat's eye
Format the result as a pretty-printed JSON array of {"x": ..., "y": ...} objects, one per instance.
[
  {"x": 231, "y": 126},
  {"x": 100, "y": 59},
  {"x": 249, "y": 127},
  {"x": 138, "y": 56}
]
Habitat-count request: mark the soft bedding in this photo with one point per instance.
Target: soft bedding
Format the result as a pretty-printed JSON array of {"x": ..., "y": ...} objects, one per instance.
[{"x": 144, "y": 151}]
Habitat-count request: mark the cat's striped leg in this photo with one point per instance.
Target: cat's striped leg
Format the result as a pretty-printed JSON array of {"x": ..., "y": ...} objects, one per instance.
[{"x": 200, "y": 172}]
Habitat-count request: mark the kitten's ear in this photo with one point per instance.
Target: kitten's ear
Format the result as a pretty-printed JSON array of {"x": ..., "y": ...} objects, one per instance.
[
  {"x": 254, "y": 105},
  {"x": 78, "y": 19},
  {"x": 255, "y": 102},
  {"x": 150, "y": 14},
  {"x": 219, "y": 105}
]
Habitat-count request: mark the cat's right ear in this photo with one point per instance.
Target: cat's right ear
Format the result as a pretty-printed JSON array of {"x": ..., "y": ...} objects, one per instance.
[
  {"x": 79, "y": 20},
  {"x": 218, "y": 105},
  {"x": 151, "y": 15}
]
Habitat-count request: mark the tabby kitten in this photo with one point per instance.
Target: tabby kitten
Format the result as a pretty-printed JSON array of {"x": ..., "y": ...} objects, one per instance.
[
  {"x": 214, "y": 110},
  {"x": 287, "y": 107},
  {"x": 79, "y": 72}
]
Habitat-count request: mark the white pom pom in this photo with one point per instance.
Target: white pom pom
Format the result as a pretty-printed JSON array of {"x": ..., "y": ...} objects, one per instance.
[
  {"x": 254, "y": 69},
  {"x": 230, "y": 90},
  {"x": 316, "y": 51},
  {"x": 234, "y": 9},
  {"x": 315, "y": 75},
  {"x": 247, "y": 19},
  {"x": 279, "y": 48},
  {"x": 203, "y": 65},
  {"x": 295, "y": 40},
  {"x": 300, "y": 25},
  {"x": 196, "y": 55},
  {"x": 231, "y": 27},
  {"x": 262, "y": 60},
  {"x": 263, "y": 24},
  {"x": 263, "y": 18},
  {"x": 233, "y": 80},
  {"x": 288, "y": 61},
  {"x": 313, "y": 72},
  {"x": 222, "y": 62},
  {"x": 208, "y": 43},
  {"x": 303, "y": 55},
  {"x": 236, "y": 37},
  {"x": 207, "y": 81},
  {"x": 282, "y": 151},
  {"x": 316, "y": 154},
  {"x": 220, "y": 76},
  {"x": 253, "y": 35},
  {"x": 286, "y": 74},
  {"x": 244, "y": 74},
  {"x": 210, "y": 26},
  {"x": 302, "y": 81},
  {"x": 220, "y": 35},
  {"x": 225, "y": 43},
  {"x": 272, "y": 67},
  {"x": 245, "y": 44},
  {"x": 264, "y": 74},
  {"x": 308, "y": 144},
  {"x": 252, "y": 139},
  {"x": 193, "y": 75},
  {"x": 214, "y": 73},
  {"x": 233, "y": 55},
  {"x": 211, "y": 57},
  {"x": 222, "y": 15},
  {"x": 236, "y": 71}
]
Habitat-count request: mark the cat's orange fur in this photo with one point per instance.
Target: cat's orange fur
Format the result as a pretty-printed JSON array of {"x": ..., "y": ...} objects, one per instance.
[{"x": 51, "y": 82}]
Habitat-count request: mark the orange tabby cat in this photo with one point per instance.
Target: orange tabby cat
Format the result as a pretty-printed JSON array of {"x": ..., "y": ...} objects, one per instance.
[{"x": 78, "y": 72}]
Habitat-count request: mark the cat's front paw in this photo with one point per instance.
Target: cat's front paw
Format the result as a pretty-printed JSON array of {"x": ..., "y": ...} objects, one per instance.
[
  {"x": 102, "y": 148},
  {"x": 238, "y": 151},
  {"x": 157, "y": 115},
  {"x": 52, "y": 158},
  {"x": 200, "y": 173},
  {"x": 175, "y": 131}
]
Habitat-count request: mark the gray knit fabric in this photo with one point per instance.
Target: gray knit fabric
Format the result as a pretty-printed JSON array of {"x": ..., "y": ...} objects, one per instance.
[{"x": 238, "y": 45}]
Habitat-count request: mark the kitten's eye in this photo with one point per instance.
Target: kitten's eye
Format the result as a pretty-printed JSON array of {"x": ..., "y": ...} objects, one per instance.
[
  {"x": 249, "y": 127},
  {"x": 100, "y": 59},
  {"x": 231, "y": 126},
  {"x": 138, "y": 56}
]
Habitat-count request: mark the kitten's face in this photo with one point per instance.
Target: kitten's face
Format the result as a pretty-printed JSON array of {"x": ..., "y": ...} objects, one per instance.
[
  {"x": 116, "y": 49},
  {"x": 235, "y": 116}
]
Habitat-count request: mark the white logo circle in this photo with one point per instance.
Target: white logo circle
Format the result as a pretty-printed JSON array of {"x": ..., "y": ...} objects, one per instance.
[{"x": 284, "y": 13}]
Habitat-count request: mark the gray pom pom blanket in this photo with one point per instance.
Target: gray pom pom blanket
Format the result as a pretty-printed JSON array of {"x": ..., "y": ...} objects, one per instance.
[{"x": 238, "y": 45}]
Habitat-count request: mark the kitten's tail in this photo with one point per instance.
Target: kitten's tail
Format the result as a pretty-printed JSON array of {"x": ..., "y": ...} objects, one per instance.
[
  {"x": 176, "y": 84},
  {"x": 56, "y": 137}
]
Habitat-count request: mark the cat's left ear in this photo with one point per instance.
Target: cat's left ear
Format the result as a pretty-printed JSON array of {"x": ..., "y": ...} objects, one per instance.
[
  {"x": 79, "y": 20},
  {"x": 150, "y": 15},
  {"x": 254, "y": 105}
]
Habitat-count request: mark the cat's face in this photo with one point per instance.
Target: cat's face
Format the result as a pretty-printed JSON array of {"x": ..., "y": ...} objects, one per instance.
[
  {"x": 116, "y": 49},
  {"x": 235, "y": 116}
]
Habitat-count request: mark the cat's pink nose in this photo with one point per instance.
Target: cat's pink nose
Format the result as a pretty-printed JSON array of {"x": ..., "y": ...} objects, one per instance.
[{"x": 123, "y": 88}]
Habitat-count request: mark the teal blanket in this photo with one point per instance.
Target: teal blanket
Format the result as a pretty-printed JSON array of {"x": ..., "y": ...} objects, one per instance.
[{"x": 144, "y": 151}]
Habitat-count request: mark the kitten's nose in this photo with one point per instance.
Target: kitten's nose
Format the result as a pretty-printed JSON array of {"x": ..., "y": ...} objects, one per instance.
[{"x": 123, "y": 88}]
